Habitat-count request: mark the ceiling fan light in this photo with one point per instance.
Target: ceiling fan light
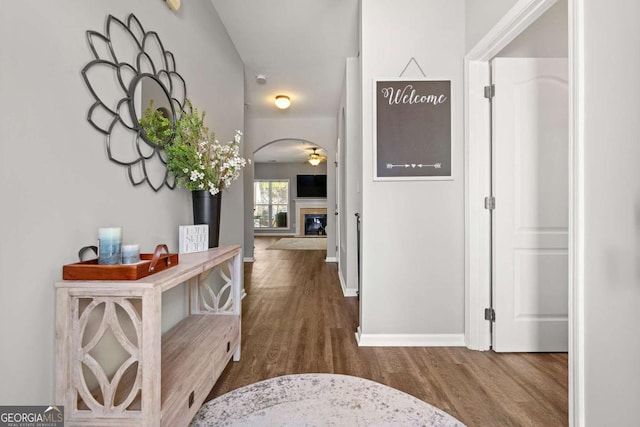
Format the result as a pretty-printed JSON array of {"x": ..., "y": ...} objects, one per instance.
[
  {"x": 283, "y": 102},
  {"x": 314, "y": 159}
]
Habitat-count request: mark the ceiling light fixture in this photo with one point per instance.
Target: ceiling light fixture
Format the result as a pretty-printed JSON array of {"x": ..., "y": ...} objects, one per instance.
[
  {"x": 283, "y": 102},
  {"x": 314, "y": 158},
  {"x": 173, "y": 4}
]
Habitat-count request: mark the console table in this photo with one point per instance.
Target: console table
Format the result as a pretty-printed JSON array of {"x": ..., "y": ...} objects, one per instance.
[{"x": 114, "y": 366}]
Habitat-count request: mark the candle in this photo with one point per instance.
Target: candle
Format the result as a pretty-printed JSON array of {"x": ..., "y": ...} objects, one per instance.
[
  {"x": 109, "y": 245},
  {"x": 130, "y": 254}
]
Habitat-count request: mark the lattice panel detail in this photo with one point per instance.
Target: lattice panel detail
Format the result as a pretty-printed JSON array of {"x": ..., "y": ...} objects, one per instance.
[
  {"x": 115, "y": 391},
  {"x": 220, "y": 301}
]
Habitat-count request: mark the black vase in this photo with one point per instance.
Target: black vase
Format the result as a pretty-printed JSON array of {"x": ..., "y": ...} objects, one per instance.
[{"x": 206, "y": 210}]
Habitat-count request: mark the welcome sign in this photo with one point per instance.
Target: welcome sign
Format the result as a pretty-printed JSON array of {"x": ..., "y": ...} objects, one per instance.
[{"x": 412, "y": 129}]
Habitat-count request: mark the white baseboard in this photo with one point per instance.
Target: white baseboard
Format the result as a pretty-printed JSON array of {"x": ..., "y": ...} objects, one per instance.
[
  {"x": 249, "y": 259},
  {"x": 409, "y": 340},
  {"x": 346, "y": 291},
  {"x": 331, "y": 259},
  {"x": 350, "y": 293},
  {"x": 274, "y": 235}
]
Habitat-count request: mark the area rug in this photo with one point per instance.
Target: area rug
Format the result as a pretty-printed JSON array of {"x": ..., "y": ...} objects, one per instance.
[
  {"x": 320, "y": 400},
  {"x": 301, "y": 244}
]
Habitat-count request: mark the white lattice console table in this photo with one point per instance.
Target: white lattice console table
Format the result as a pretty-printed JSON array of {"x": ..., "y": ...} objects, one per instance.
[{"x": 114, "y": 366}]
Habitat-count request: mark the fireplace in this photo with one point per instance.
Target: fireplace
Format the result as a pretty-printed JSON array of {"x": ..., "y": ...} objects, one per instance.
[
  {"x": 315, "y": 224},
  {"x": 312, "y": 207}
]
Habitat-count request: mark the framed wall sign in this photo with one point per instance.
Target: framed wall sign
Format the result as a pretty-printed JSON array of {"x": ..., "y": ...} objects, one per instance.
[{"x": 412, "y": 130}]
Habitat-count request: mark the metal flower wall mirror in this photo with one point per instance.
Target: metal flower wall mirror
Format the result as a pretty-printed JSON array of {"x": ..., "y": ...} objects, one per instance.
[{"x": 131, "y": 71}]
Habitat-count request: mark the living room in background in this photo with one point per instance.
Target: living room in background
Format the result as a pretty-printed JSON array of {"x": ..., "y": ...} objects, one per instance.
[{"x": 271, "y": 203}]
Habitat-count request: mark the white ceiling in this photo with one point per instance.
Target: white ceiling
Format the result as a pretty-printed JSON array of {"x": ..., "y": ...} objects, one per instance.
[
  {"x": 287, "y": 151},
  {"x": 300, "y": 45}
]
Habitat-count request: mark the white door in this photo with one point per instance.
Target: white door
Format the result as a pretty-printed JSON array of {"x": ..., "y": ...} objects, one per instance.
[{"x": 530, "y": 220}]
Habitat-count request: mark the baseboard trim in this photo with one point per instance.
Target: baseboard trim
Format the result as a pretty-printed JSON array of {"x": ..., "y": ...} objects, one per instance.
[
  {"x": 346, "y": 291},
  {"x": 249, "y": 259},
  {"x": 409, "y": 340},
  {"x": 331, "y": 259}
]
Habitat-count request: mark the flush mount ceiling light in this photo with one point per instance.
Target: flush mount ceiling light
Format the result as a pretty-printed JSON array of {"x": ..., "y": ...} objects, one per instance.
[
  {"x": 283, "y": 102},
  {"x": 173, "y": 4},
  {"x": 315, "y": 158}
]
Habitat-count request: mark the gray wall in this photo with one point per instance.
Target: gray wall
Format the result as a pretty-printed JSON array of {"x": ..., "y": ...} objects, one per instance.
[
  {"x": 481, "y": 16},
  {"x": 413, "y": 232},
  {"x": 609, "y": 232},
  {"x": 58, "y": 186},
  {"x": 547, "y": 37},
  {"x": 351, "y": 178},
  {"x": 287, "y": 171}
]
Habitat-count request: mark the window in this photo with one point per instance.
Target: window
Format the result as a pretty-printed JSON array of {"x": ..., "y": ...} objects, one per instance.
[{"x": 270, "y": 203}]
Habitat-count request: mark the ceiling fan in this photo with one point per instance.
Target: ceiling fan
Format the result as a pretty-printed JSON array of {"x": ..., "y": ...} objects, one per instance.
[{"x": 315, "y": 158}]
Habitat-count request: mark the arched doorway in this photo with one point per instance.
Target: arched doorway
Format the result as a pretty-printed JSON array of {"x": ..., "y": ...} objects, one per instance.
[{"x": 288, "y": 194}]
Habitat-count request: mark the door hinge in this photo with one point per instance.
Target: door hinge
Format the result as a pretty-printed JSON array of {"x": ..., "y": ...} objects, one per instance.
[
  {"x": 490, "y": 203},
  {"x": 490, "y": 314},
  {"x": 490, "y": 91}
]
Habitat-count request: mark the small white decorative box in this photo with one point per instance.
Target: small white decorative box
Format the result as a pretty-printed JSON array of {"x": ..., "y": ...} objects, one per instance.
[{"x": 193, "y": 238}]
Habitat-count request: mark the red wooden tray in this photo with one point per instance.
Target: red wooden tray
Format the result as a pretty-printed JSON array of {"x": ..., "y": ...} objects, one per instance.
[{"x": 160, "y": 260}]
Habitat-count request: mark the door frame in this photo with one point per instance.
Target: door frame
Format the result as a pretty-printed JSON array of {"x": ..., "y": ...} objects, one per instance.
[
  {"x": 478, "y": 178},
  {"x": 337, "y": 206},
  {"x": 478, "y": 164}
]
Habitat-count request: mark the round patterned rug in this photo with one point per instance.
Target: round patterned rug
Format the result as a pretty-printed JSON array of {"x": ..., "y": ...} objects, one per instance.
[{"x": 320, "y": 400}]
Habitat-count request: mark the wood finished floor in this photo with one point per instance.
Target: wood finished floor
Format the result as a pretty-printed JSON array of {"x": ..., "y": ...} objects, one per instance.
[{"x": 296, "y": 320}]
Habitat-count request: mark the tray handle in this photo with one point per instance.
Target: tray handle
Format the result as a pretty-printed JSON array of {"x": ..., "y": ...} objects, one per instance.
[
  {"x": 87, "y": 248},
  {"x": 157, "y": 256}
]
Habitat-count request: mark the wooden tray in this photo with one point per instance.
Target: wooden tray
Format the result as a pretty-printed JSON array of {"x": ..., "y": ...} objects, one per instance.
[{"x": 160, "y": 260}]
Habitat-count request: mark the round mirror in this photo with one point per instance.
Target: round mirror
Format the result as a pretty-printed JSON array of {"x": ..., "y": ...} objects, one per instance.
[{"x": 152, "y": 110}]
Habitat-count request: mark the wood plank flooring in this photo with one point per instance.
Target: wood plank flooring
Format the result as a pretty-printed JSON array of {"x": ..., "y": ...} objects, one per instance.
[{"x": 296, "y": 320}]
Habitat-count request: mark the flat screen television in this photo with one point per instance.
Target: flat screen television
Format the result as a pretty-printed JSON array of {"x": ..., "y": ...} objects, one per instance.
[{"x": 312, "y": 186}]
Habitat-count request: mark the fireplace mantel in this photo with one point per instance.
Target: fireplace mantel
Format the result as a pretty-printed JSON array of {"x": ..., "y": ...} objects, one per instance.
[{"x": 307, "y": 203}]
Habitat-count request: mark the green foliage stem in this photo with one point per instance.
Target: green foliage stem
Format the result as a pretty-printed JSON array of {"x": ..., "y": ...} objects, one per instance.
[
  {"x": 156, "y": 126},
  {"x": 194, "y": 156}
]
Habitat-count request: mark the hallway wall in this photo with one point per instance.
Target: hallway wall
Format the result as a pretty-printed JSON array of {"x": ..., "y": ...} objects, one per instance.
[
  {"x": 351, "y": 161},
  {"x": 547, "y": 37},
  {"x": 481, "y": 16},
  {"x": 608, "y": 229},
  {"x": 58, "y": 187},
  {"x": 413, "y": 231}
]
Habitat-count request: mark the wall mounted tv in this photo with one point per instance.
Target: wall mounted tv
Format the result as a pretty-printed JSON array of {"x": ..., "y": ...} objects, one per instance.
[{"x": 312, "y": 186}]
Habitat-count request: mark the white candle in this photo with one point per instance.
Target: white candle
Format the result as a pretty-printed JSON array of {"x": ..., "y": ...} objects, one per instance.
[
  {"x": 130, "y": 254},
  {"x": 109, "y": 242},
  {"x": 110, "y": 233}
]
